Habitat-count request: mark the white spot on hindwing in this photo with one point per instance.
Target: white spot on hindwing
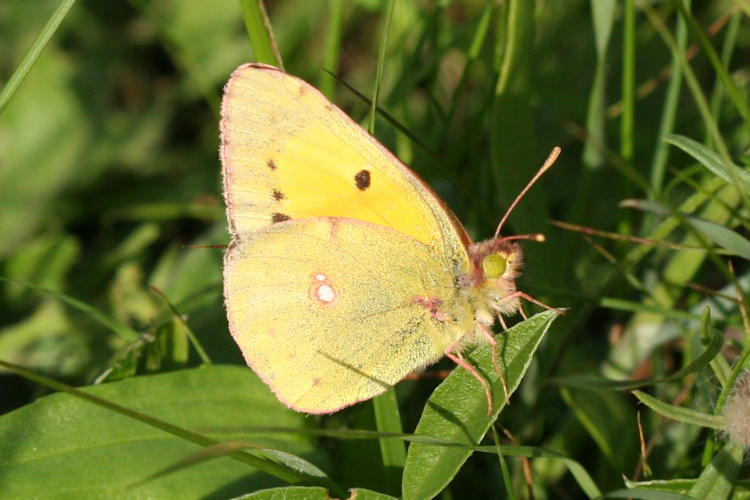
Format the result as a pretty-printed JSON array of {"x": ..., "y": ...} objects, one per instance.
[
  {"x": 321, "y": 289},
  {"x": 325, "y": 293}
]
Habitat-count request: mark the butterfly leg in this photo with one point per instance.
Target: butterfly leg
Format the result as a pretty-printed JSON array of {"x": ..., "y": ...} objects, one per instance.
[
  {"x": 502, "y": 322},
  {"x": 493, "y": 343},
  {"x": 459, "y": 360},
  {"x": 529, "y": 298},
  {"x": 522, "y": 312}
]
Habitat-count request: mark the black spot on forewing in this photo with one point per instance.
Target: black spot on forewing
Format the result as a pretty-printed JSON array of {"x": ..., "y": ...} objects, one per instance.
[
  {"x": 362, "y": 179},
  {"x": 271, "y": 164},
  {"x": 278, "y": 217},
  {"x": 277, "y": 195}
]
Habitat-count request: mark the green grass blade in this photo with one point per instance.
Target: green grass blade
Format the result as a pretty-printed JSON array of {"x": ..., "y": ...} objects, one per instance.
[
  {"x": 728, "y": 171},
  {"x": 381, "y": 64},
  {"x": 735, "y": 95},
  {"x": 507, "y": 481},
  {"x": 681, "y": 414},
  {"x": 514, "y": 150},
  {"x": 627, "y": 121},
  {"x": 669, "y": 111},
  {"x": 260, "y": 32},
  {"x": 392, "y": 451},
  {"x": 193, "y": 339},
  {"x": 718, "y": 479},
  {"x": 712, "y": 127},
  {"x": 332, "y": 50},
  {"x": 121, "y": 330},
  {"x": 712, "y": 338},
  {"x": 36, "y": 48},
  {"x": 717, "y": 233},
  {"x": 227, "y": 448}
]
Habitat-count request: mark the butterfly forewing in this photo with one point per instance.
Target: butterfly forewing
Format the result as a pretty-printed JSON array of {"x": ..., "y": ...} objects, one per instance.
[{"x": 288, "y": 153}]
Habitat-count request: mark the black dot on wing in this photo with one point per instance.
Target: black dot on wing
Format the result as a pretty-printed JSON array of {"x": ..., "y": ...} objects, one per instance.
[
  {"x": 277, "y": 195},
  {"x": 271, "y": 164},
  {"x": 362, "y": 179},
  {"x": 279, "y": 217}
]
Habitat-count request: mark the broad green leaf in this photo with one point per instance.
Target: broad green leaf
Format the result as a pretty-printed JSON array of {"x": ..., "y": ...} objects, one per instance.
[
  {"x": 60, "y": 437},
  {"x": 311, "y": 493},
  {"x": 457, "y": 410}
]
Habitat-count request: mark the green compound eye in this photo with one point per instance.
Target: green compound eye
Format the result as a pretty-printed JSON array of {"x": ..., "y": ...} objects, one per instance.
[{"x": 494, "y": 265}]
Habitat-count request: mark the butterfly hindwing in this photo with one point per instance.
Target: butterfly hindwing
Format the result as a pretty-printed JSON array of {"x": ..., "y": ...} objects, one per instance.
[{"x": 332, "y": 311}]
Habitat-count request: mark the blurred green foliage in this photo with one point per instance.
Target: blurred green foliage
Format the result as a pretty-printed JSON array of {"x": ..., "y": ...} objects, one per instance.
[{"x": 109, "y": 184}]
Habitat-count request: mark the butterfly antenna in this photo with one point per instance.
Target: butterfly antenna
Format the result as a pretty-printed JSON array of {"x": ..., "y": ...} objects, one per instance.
[
  {"x": 547, "y": 164},
  {"x": 538, "y": 237}
]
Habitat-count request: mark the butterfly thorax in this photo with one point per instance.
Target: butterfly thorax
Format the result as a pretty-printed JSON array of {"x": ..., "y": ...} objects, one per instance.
[{"x": 487, "y": 290}]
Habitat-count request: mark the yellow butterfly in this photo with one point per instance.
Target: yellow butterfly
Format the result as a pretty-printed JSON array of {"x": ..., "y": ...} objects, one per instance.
[{"x": 345, "y": 272}]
